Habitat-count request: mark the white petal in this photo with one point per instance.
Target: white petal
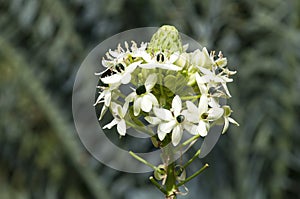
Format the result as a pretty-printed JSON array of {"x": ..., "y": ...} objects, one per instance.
[
  {"x": 111, "y": 124},
  {"x": 107, "y": 98},
  {"x": 116, "y": 78},
  {"x": 130, "y": 68},
  {"x": 192, "y": 129},
  {"x": 226, "y": 89},
  {"x": 131, "y": 97},
  {"x": 215, "y": 113},
  {"x": 153, "y": 99},
  {"x": 126, "y": 78},
  {"x": 146, "y": 103},
  {"x": 191, "y": 117},
  {"x": 137, "y": 106},
  {"x": 177, "y": 134},
  {"x": 205, "y": 71},
  {"x": 191, "y": 107},
  {"x": 152, "y": 120},
  {"x": 121, "y": 127},
  {"x": 163, "y": 114},
  {"x": 124, "y": 109},
  {"x": 99, "y": 98},
  {"x": 169, "y": 67},
  {"x": 201, "y": 128},
  {"x": 203, "y": 104},
  {"x": 226, "y": 125},
  {"x": 176, "y": 105},
  {"x": 148, "y": 65},
  {"x": 167, "y": 127},
  {"x": 173, "y": 57},
  {"x": 161, "y": 135},
  {"x": 150, "y": 81},
  {"x": 200, "y": 81},
  {"x": 103, "y": 111},
  {"x": 233, "y": 121}
]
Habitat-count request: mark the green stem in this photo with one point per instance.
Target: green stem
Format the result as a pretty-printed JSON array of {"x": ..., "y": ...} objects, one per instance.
[
  {"x": 192, "y": 159},
  {"x": 168, "y": 158},
  {"x": 158, "y": 185},
  {"x": 143, "y": 160},
  {"x": 193, "y": 176}
]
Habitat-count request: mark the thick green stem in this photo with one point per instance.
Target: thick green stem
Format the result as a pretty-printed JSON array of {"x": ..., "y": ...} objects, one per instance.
[{"x": 168, "y": 158}]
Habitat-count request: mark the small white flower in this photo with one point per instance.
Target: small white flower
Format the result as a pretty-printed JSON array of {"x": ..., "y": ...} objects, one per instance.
[
  {"x": 119, "y": 114},
  {"x": 204, "y": 90},
  {"x": 105, "y": 96},
  {"x": 160, "y": 60},
  {"x": 171, "y": 120},
  {"x": 227, "y": 119},
  {"x": 202, "y": 115},
  {"x": 213, "y": 79},
  {"x": 120, "y": 73},
  {"x": 142, "y": 97},
  {"x": 201, "y": 58}
]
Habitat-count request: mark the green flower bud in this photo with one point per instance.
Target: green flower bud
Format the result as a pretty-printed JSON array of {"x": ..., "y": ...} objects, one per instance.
[{"x": 166, "y": 38}]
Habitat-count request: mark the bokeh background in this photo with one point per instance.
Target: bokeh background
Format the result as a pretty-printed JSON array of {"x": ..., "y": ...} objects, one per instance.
[{"x": 42, "y": 44}]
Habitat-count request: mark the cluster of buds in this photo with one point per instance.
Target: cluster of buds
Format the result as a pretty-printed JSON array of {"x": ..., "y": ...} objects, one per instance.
[{"x": 171, "y": 91}]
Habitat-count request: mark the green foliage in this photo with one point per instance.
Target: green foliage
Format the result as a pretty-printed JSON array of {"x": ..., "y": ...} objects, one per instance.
[{"x": 42, "y": 43}]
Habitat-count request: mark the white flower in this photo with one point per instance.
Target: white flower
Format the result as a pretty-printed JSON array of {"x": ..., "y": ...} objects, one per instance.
[
  {"x": 171, "y": 120},
  {"x": 201, "y": 58},
  {"x": 213, "y": 79},
  {"x": 204, "y": 90},
  {"x": 202, "y": 114},
  {"x": 227, "y": 119},
  {"x": 119, "y": 114},
  {"x": 120, "y": 73},
  {"x": 160, "y": 60},
  {"x": 142, "y": 97},
  {"x": 105, "y": 96}
]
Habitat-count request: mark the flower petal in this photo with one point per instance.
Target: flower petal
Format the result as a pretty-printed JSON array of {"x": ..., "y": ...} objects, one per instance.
[
  {"x": 177, "y": 134},
  {"x": 113, "y": 79},
  {"x": 152, "y": 120},
  {"x": 191, "y": 128},
  {"x": 176, "y": 105},
  {"x": 111, "y": 124},
  {"x": 150, "y": 81},
  {"x": 201, "y": 128},
  {"x": 167, "y": 126},
  {"x": 215, "y": 113},
  {"x": 226, "y": 125},
  {"x": 137, "y": 106},
  {"x": 153, "y": 99},
  {"x": 161, "y": 135},
  {"x": 163, "y": 114},
  {"x": 107, "y": 98},
  {"x": 231, "y": 120},
  {"x": 203, "y": 104},
  {"x": 191, "y": 107},
  {"x": 146, "y": 103},
  {"x": 173, "y": 58},
  {"x": 121, "y": 127}
]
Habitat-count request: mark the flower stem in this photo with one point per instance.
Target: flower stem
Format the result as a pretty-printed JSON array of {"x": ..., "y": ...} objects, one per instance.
[
  {"x": 143, "y": 160},
  {"x": 192, "y": 159},
  {"x": 193, "y": 176},
  {"x": 158, "y": 185}
]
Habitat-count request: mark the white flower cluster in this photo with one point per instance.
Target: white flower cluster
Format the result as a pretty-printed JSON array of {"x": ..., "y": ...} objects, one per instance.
[{"x": 158, "y": 97}]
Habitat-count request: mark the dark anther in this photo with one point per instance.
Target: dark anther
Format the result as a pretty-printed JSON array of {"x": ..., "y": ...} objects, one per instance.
[
  {"x": 180, "y": 118},
  {"x": 160, "y": 57},
  {"x": 140, "y": 90},
  {"x": 120, "y": 67}
]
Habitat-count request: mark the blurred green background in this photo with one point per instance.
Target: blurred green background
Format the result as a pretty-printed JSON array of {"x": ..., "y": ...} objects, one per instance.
[{"x": 42, "y": 44}]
